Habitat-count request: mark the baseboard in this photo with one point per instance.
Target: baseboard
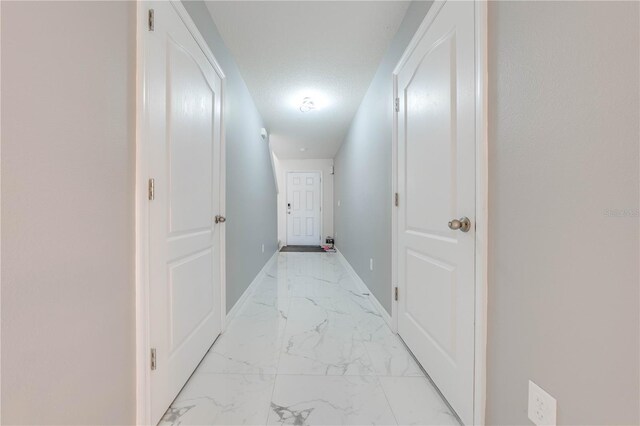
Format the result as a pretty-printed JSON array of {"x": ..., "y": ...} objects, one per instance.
[
  {"x": 363, "y": 286},
  {"x": 242, "y": 300}
]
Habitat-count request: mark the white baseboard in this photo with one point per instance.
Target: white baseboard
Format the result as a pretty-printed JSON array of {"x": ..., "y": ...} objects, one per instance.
[
  {"x": 242, "y": 300},
  {"x": 363, "y": 286}
]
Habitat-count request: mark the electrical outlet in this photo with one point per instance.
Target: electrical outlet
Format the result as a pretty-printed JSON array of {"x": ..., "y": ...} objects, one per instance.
[
  {"x": 371, "y": 264},
  {"x": 338, "y": 203},
  {"x": 263, "y": 248},
  {"x": 542, "y": 406}
]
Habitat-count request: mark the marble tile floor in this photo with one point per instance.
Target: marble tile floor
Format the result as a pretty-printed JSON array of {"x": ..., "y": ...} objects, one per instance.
[{"x": 308, "y": 348}]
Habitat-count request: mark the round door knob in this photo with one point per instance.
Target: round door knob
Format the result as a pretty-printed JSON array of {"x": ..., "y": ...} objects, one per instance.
[
  {"x": 464, "y": 224},
  {"x": 220, "y": 219}
]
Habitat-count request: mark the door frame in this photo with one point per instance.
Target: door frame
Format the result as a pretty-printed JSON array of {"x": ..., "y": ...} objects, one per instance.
[
  {"x": 482, "y": 171},
  {"x": 286, "y": 200},
  {"x": 142, "y": 235}
]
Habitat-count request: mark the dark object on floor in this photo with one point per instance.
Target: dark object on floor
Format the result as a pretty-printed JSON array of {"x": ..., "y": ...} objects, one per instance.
[{"x": 306, "y": 249}]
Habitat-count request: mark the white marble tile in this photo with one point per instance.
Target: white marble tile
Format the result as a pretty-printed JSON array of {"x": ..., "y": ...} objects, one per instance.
[
  {"x": 323, "y": 400},
  {"x": 414, "y": 401},
  {"x": 316, "y": 288},
  {"x": 309, "y": 322},
  {"x": 222, "y": 399},
  {"x": 274, "y": 286},
  {"x": 232, "y": 355},
  {"x": 264, "y": 303},
  {"x": 389, "y": 356},
  {"x": 314, "y": 276},
  {"x": 363, "y": 311},
  {"x": 320, "y": 266},
  {"x": 321, "y": 338},
  {"x": 251, "y": 343}
]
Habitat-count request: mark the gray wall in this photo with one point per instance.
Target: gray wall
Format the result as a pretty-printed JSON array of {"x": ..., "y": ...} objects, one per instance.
[
  {"x": 251, "y": 191},
  {"x": 563, "y": 272},
  {"x": 362, "y": 181},
  {"x": 68, "y": 109}
]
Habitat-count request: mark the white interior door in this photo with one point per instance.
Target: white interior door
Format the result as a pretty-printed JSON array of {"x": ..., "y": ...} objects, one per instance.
[
  {"x": 436, "y": 184},
  {"x": 303, "y": 208},
  {"x": 182, "y": 92}
]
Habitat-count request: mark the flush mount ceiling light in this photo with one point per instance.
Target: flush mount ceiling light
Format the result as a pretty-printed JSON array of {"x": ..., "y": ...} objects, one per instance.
[
  {"x": 307, "y": 99},
  {"x": 307, "y": 105},
  {"x": 303, "y": 149}
]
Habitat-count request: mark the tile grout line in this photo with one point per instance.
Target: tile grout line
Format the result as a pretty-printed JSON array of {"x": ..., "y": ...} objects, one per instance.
[
  {"x": 430, "y": 380},
  {"x": 363, "y": 333},
  {"x": 275, "y": 376},
  {"x": 391, "y": 376},
  {"x": 386, "y": 397},
  {"x": 284, "y": 334},
  {"x": 357, "y": 315},
  {"x": 377, "y": 377}
]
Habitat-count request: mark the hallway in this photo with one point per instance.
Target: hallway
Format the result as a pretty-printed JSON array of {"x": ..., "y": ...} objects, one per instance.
[
  {"x": 174, "y": 174},
  {"x": 308, "y": 347}
]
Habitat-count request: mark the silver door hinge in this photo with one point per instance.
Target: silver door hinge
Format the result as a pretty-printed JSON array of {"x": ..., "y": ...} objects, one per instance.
[
  {"x": 397, "y": 200},
  {"x": 397, "y": 104},
  {"x": 395, "y": 294},
  {"x": 153, "y": 359},
  {"x": 151, "y": 20},
  {"x": 152, "y": 189}
]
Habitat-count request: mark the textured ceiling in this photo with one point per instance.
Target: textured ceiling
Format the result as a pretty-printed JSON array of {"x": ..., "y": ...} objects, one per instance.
[{"x": 328, "y": 50}]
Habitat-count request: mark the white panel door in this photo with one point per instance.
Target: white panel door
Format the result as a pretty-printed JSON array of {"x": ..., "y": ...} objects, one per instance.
[
  {"x": 303, "y": 208},
  {"x": 183, "y": 96},
  {"x": 436, "y": 184}
]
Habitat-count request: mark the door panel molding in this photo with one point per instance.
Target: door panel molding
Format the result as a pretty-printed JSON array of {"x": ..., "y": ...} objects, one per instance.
[
  {"x": 481, "y": 193},
  {"x": 319, "y": 198},
  {"x": 142, "y": 210}
]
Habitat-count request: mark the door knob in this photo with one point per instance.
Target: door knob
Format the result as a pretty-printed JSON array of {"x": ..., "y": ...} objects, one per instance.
[
  {"x": 464, "y": 224},
  {"x": 220, "y": 219}
]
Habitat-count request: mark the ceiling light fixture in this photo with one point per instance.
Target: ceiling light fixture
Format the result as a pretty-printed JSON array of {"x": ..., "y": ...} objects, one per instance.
[
  {"x": 307, "y": 99},
  {"x": 307, "y": 105},
  {"x": 303, "y": 149}
]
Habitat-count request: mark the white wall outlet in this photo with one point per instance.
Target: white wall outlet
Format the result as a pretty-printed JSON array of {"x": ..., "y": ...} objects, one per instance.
[
  {"x": 338, "y": 203},
  {"x": 542, "y": 406},
  {"x": 371, "y": 264},
  {"x": 263, "y": 248}
]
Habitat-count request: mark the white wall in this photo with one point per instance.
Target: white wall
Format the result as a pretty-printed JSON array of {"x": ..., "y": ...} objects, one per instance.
[
  {"x": 322, "y": 165},
  {"x": 68, "y": 150},
  {"x": 564, "y": 138}
]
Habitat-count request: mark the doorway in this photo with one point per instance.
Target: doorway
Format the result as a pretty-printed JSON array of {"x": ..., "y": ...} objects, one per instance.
[
  {"x": 304, "y": 223},
  {"x": 439, "y": 226},
  {"x": 180, "y": 205}
]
